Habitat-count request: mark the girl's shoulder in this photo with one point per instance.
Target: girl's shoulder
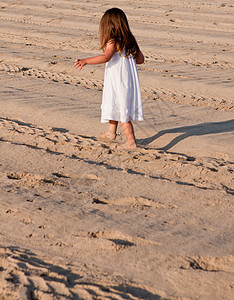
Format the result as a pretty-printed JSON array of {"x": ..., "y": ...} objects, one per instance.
[{"x": 114, "y": 42}]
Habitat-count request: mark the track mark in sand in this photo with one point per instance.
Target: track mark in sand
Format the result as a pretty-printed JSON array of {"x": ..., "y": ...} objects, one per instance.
[
  {"x": 47, "y": 23},
  {"x": 203, "y": 173},
  {"x": 187, "y": 98},
  {"x": 210, "y": 264},
  {"x": 147, "y": 92},
  {"x": 25, "y": 275},
  {"x": 161, "y": 59},
  {"x": 135, "y": 202},
  {"x": 179, "y": 23},
  {"x": 171, "y": 22},
  {"x": 54, "y": 76},
  {"x": 66, "y": 44}
]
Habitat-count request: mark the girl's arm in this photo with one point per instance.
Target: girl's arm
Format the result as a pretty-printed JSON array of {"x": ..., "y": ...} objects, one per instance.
[
  {"x": 140, "y": 58},
  {"x": 100, "y": 59}
]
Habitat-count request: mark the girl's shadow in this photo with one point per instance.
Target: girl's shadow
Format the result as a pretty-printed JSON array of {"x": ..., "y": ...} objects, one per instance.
[{"x": 193, "y": 130}]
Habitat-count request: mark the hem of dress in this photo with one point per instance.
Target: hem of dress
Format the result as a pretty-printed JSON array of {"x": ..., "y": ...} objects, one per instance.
[{"x": 106, "y": 120}]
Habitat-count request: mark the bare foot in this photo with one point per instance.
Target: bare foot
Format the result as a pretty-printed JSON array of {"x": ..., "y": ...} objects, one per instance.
[
  {"x": 107, "y": 136},
  {"x": 128, "y": 145}
]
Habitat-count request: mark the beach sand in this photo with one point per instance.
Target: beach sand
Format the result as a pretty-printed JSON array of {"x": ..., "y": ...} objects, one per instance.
[{"x": 81, "y": 219}]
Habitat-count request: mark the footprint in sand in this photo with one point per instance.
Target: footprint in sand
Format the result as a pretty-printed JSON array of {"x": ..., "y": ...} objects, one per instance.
[
  {"x": 28, "y": 179},
  {"x": 53, "y": 21},
  {"x": 12, "y": 211},
  {"x": 27, "y": 221},
  {"x": 212, "y": 264},
  {"x": 135, "y": 202},
  {"x": 113, "y": 240}
]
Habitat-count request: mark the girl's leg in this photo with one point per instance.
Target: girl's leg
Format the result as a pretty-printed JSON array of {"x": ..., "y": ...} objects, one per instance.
[
  {"x": 111, "y": 133},
  {"x": 129, "y": 133}
]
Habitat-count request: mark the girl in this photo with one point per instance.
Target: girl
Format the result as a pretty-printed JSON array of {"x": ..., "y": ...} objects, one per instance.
[{"x": 121, "y": 100}]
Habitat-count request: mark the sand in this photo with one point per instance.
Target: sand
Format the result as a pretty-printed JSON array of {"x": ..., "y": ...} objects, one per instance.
[{"x": 81, "y": 219}]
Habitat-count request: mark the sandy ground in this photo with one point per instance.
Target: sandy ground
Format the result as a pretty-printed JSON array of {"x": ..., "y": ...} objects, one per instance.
[{"x": 80, "y": 219}]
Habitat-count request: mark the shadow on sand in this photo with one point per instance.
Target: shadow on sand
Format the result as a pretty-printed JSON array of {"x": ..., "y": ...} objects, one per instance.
[
  {"x": 188, "y": 131},
  {"x": 51, "y": 274}
]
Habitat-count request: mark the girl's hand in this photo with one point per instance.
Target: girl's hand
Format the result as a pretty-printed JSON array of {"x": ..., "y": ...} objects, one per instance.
[
  {"x": 80, "y": 63},
  {"x": 100, "y": 59}
]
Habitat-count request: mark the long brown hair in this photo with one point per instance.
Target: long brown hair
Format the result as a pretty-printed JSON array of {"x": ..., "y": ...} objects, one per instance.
[{"x": 114, "y": 26}]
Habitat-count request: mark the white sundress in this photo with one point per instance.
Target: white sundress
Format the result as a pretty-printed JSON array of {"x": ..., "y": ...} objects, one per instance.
[{"x": 121, "y": 99}]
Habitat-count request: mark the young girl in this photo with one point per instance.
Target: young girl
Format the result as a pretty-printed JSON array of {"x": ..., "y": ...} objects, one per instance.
[{"x": 121, "y": 100}]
